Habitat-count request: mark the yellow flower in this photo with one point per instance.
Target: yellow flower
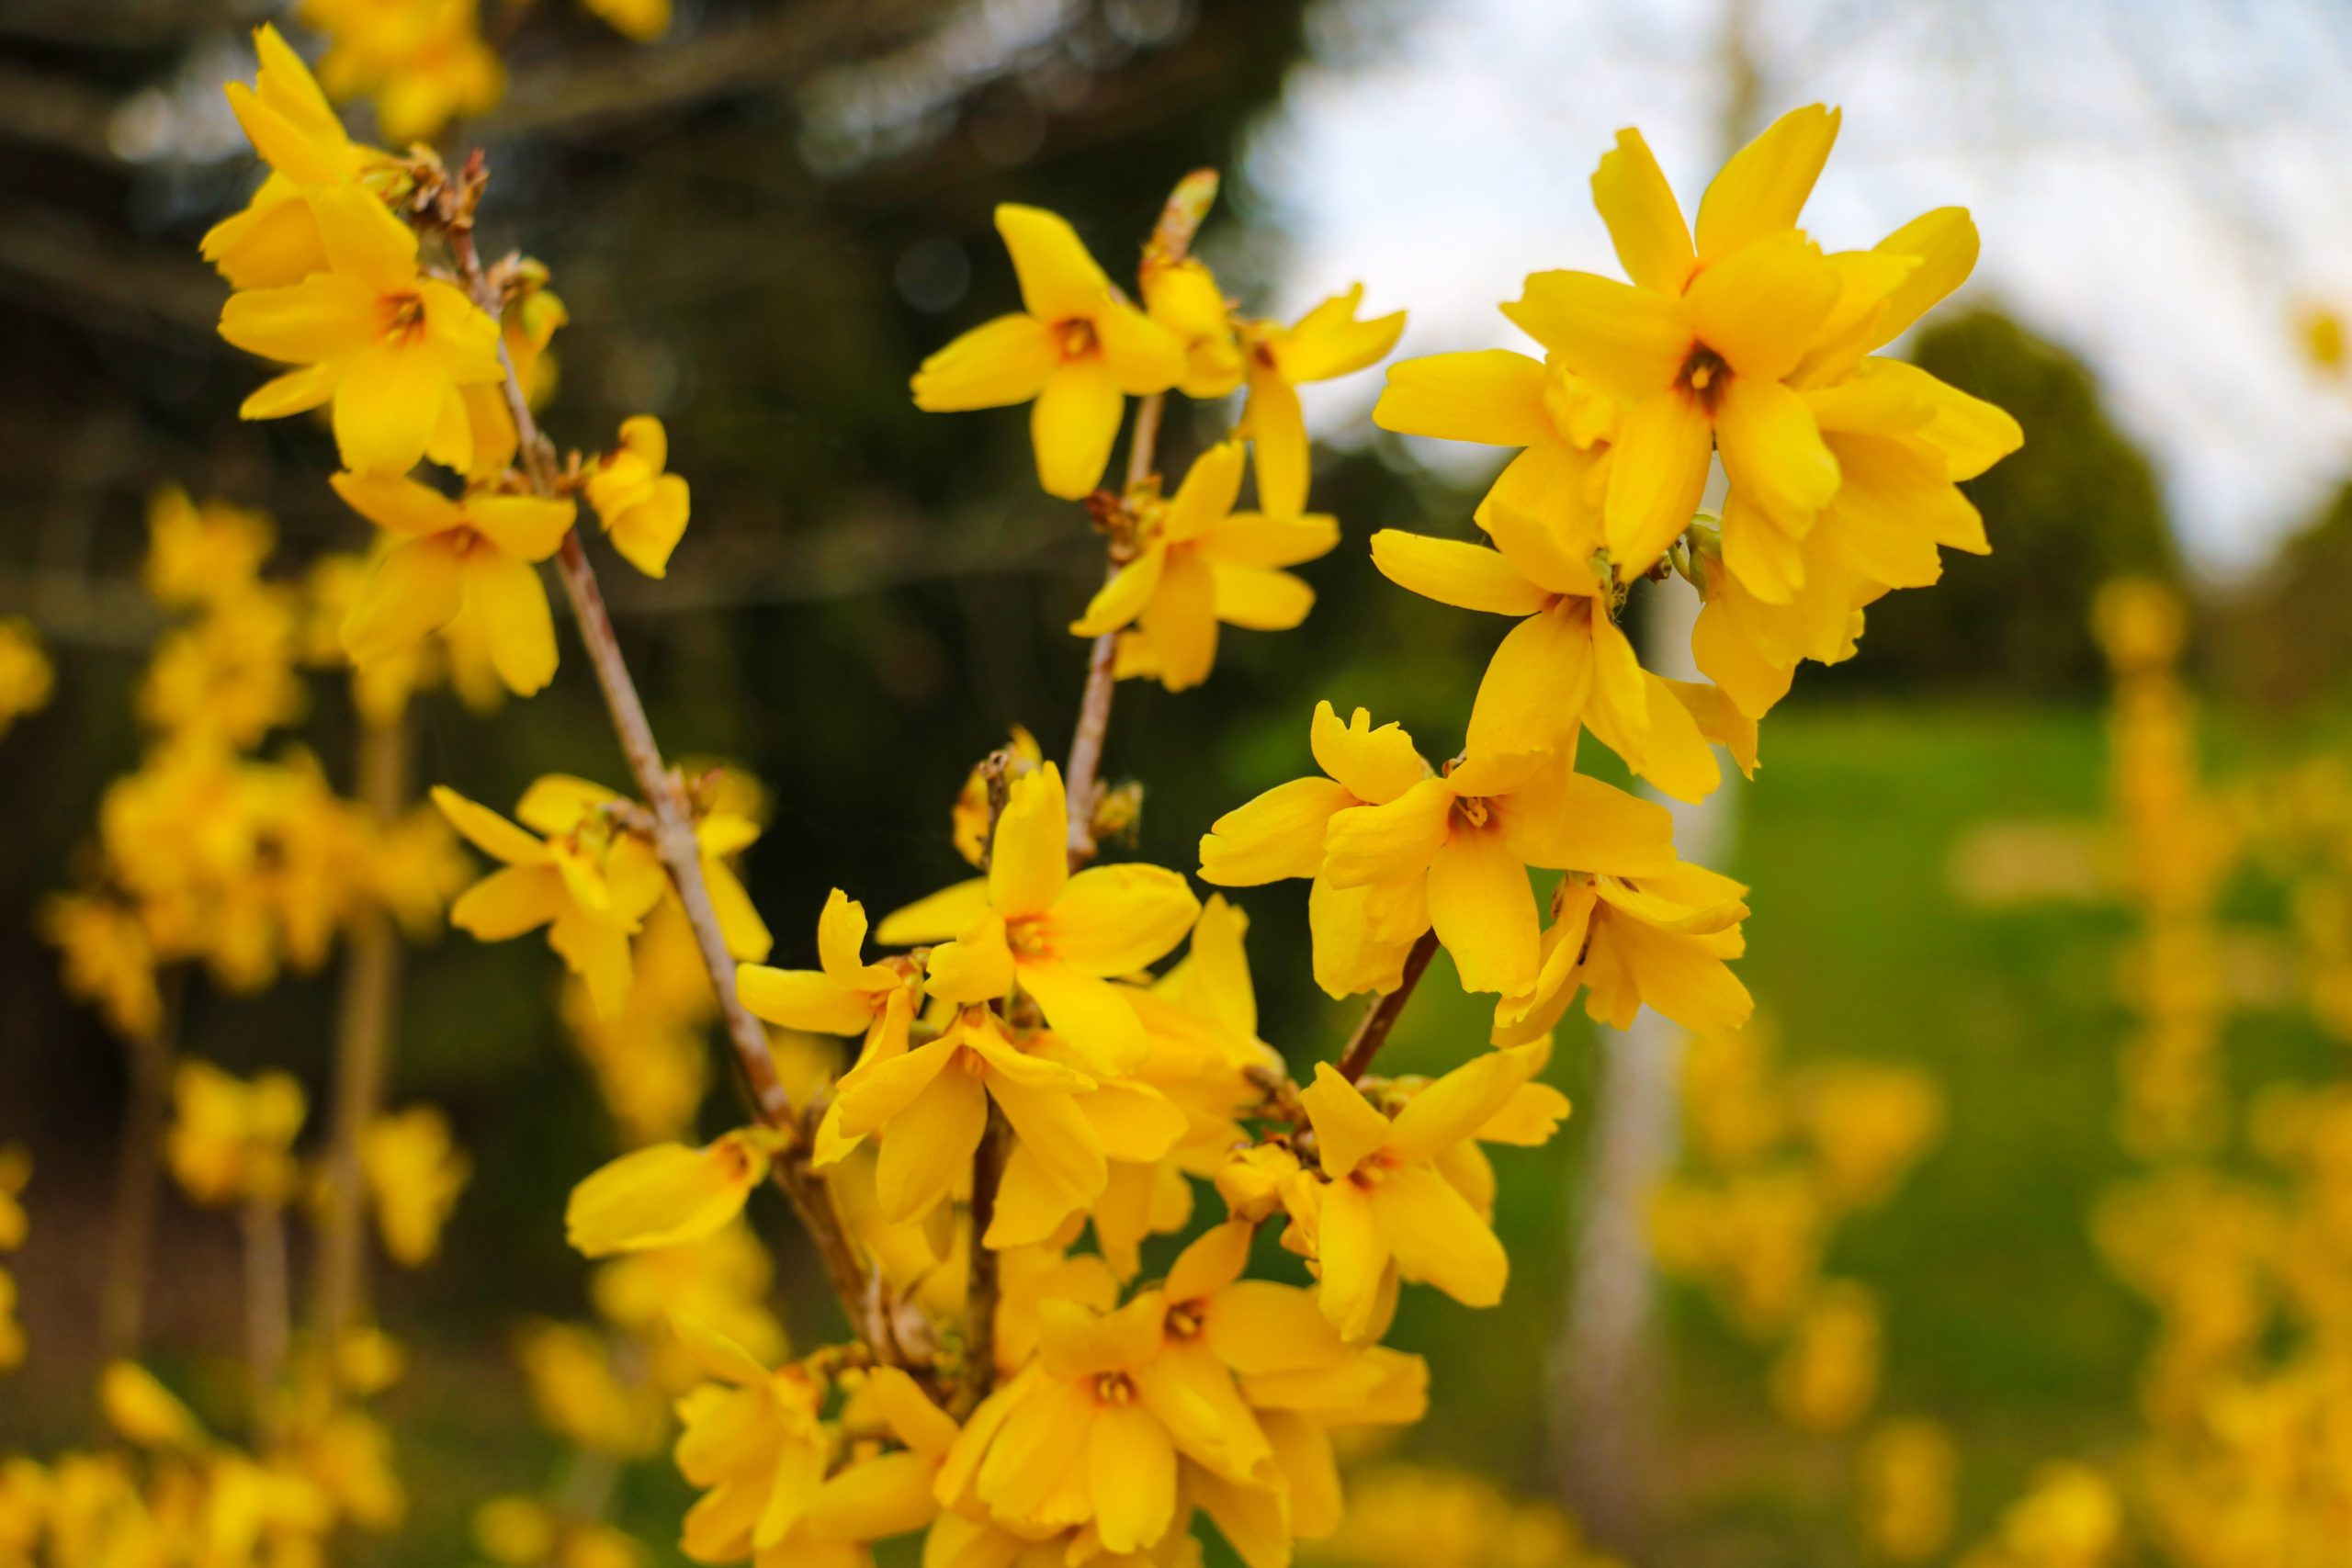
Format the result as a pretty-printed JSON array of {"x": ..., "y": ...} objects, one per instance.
[
  {"x": 1698, "y": 347},
  {"x": 1091, "y": 1432},
  {"x": 1057, "y": 935},
  {"x": 754, "y": 1443},
  {"x": 590, "y": 881},
  {"x": 1077, "y": 347},
  {"x": 389, "y": 348},
  {"x": 1196, "y": 562},
  {"x": 844, "y": 994},
  {"x": 1566, "y": 664},
  {"x": 470, "y": 559},
  {"x": 1386, "y": 1208},
  {"x": 644, "y": 509},
  {"x": 232, "y": 1139},
  {"x": 16, "y": 1171},
  {"x": 1906, "y": 1474},
  {"x": 931, "y": 1106},
  {"x": 1474, "y": 830},
  {"x": 1497, "y": 398},
  {"x": 1183, "y": 297},
  {"x": 414, "y": 1173},
  {"x": 108, "y": 960},
  {"x": 667, "y": 1195},
  {"x": 423, "y": 62},
  {"x": 1658, "y": 940},
  {"x": 1828, "y": 1376},
  {"x": 144, "y": 1411},
  {"x": 1325, "y": 343},
  {"x": 1361, "y": 933},
  {"x": 203, "y": 555},
  {"x": 25, "y": 679},
  {"x": 274, "y": 241},
  {"x": 11, "y": 1355},
  {"x": 581, "y": 1397}
]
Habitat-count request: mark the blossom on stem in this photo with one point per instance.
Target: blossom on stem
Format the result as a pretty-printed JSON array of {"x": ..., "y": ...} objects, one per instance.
[
  {"x": 1060, "y": 936},
  {"x": 1325, "y": 343},
  {"x": 1077, "y": 349},
  {"x": 470, "y": 558},
  {"x": 667, "y": 1195},
  {"x": 391, "y": 349},
  {"x": 1657, "y": 938},
  {"x": 643, "y": 507},
  {"x": 1197, "y": 562}
]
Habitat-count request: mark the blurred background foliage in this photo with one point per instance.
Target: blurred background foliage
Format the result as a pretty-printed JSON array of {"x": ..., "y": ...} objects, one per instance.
[{"x": 760, "y": 226}]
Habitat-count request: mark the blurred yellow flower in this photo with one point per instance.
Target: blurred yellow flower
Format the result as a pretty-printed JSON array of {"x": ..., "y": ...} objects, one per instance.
[
  {"x": 643, "y": 507},
  {"x": 1325, "y": 343},
  {"x": 414, "y": 1172},
  {"x": 667, "y": 1195},
  {"x": 26, "y": 678},
  {"x": 232, "y": 1139}
]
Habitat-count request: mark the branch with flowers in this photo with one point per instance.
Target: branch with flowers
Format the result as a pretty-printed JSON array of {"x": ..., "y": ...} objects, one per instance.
[{"x": 1025, "y": 1081}]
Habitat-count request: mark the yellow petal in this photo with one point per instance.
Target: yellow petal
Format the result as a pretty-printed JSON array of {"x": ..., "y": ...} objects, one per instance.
[
  {"x": 386, "y": 406},
  {"x": 1252, "y": 539},
  {"x": 1211, "y": 487},
  {"x": 510, "y": 603},
  {"x": 525, "y": 526},
  {"x": 1074, "y": 424},
  {"x": 416, "y": 589},
  {"x": 325, "y": 316},
  {"x": 1571, "y": 821},
  {"x": 1257, "y": 1325},
  {"x": 1375, "y": 765},
  {"x": 487, "y": 831},
  {"x": 509, "y": 902},
  {"x": 1351, "y": 1248},
  {"x": 1050, "y": 1127},
  {"x": 928, "y": 1145},
  {"x": 1278, "y": 835},
  {"x": 1180, "y": 620},
  {"x": 1535, "y": 688},
  {"x": 1626, "y": 340},
  {"x": 1259, "y": 598},
  {"x": 996, "y": 364},
  {"x": 1388, "y": 843},
  {"x": 1644, "y": 221},
  {"x": 1346, "y": 1128},
  {"x": 1091, "y": 1014},
  {"x": 1113, "y": 920},
  {"x": 1453, "y": 572},
  {"x": 664, "y": 1195},
  {"x": 1656, "y": 472},
  {"x": 1492, "y": 396},
  {"x": 1121, "y": 599},
  {"x": 871, "y": 1095},
  {"x": 1763, "y": 188},
  {"x": 1438, "y": 1238},
  {"x": 802, "y": 998},
  {"x": 1029, "y": 862},
  {"x": 1131, "y": 1472},
  {"x": 398, "y": 502},
  {"x": 1141, "y": 355},
  {"x": 1329, "y": 341},
  {"x": 1060, "y": 280},
  {"x": 976, "y": 968},
  {"x": 1458, "y": 1105},
  {"x": 936, "y": 918},
  {"x": 1277, "y": 430},
  {"x": 1484, "y": 910},
  {"x": 873, "y": 1500}
]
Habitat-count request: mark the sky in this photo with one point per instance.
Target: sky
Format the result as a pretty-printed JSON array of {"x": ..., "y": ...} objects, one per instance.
[{"x": 2162, "y": 186}]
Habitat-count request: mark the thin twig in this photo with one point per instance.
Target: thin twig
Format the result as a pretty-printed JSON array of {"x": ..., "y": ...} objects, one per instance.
[
  {"x": 674, "y": 843},
  {"x": 139, "y": 1173},
  {"x": 981, "y": 1290},
  {"x": 1381, "y": 1017},
  {"x": 268, "y": 1311},
  {"x": 364, "y": 1029}
]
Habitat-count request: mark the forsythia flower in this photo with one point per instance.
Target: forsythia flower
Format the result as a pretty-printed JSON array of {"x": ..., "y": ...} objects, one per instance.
[
  {"x": 1386, "y": 1207},
  {"x": 1196, "y": 562},
  {"x": 1325, "y": 343},
  {"x": 588, "y": 880},
  {"x": 232, "y": 1139},
  {"x": 644, "y": 509},
  {"x": 1079, "y": 349},
  {"x": 422, "y": 62},
  {"x": 1658, "y": 940},
  {"x": 1497, "y": 398},
  {"x": 389, "y": 348},
  {"x": 1059, "y": 936},
  {"x": 25, "y": 679},
  {"x": 1474, "y": 830},
  {"x": 641, "y": 20},
  {"x": 1697, "y": 348},
  {"x": 1906, "y": 1479},
  {"x": 110, "y": 959},
  {"x": 667, "y": 1195},
  {"x": 414, "y": 1173},
  {"x": 203, "y": 555},
  {"x": 844, "y": 994},
  {"x": 470, "y": 559},
  {"x": 1183, "y": 297},
  {"x": 755, "y": 1442},
  {"x": 1361, "y": 933},
  {"x": 275, "y": 241}
]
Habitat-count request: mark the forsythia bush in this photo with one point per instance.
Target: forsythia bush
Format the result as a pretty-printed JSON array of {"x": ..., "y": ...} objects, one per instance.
[{"x": 1036, "y": 1063}]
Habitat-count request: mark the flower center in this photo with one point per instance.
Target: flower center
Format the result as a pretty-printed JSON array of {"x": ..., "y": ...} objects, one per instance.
[
  {"x": 1704, "y": 376},
  {"x": 1078, "y": 339},
  {"x": 404, "y": 316},
  {"x": 1114, "y": 1388},
  {"x": 1186, "y": 1320},
  {"x": 1473, "y": 810}
]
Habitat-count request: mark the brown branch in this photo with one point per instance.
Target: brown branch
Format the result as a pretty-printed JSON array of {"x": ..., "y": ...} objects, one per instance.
[
  {"x": 363, "y": 1040},
  {"x": 268, "y": 1313},
  {"x": 980, "y": 1289},
  {"x": 1381, "y": 1017},
  {"x": 138, "y": 1174},
  {"x": 681, "y": 855}
]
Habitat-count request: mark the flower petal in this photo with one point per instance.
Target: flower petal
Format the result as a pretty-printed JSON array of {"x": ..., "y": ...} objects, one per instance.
[
  {"x": 1644, "y": 221},
  {"x": 1763, "y": 188},
  {"x": 1491, "y": 395},
  {"x": 1483, "y": 909}
]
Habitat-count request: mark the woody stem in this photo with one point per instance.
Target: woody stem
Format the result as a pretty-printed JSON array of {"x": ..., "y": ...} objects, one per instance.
[
  {"x": 1381, "y": 1017},
  {"x": 680, "y": 854}
]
